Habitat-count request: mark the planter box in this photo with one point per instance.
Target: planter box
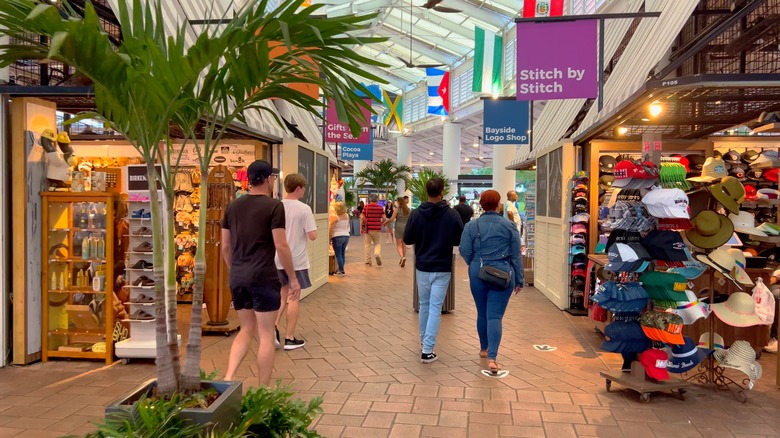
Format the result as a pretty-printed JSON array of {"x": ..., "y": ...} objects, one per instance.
[{"x": 223, "y": 413}]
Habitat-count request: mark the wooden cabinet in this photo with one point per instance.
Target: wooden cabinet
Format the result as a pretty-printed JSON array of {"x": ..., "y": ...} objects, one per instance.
[{"x": 77, "y": 275}]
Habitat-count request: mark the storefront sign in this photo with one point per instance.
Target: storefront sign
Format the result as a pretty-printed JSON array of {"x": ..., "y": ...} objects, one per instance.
[
  {"x": 337, "y": 131},
  {"x": 236, "y": 155},
  {"x": 557, "y": 60},
  {"x": 505, "y": 122},
  {"x": 358, "y": 151},
  {"x": 136, "y": 177}
]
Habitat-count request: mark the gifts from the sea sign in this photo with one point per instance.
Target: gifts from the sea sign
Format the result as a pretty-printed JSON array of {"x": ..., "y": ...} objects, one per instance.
[
  {"x": 557, "y": 60},
  {"x": 337, "y": 131},
  {"x": 505, "y": 122}
]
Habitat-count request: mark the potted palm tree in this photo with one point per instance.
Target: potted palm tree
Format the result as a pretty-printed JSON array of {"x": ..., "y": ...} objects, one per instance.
[
  {"x": 384, "y": 175},
  {"x": 417, "y": 184},
  {"x": 153, "y": 81}
]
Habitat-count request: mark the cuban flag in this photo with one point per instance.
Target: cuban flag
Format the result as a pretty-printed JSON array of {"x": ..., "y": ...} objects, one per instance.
[{"x": 436, "y": 100}]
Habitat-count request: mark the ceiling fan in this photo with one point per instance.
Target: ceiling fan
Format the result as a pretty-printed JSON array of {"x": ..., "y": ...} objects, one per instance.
[
  {"x": 410, "y": 63},
  {"x": 434, "y": 5}
]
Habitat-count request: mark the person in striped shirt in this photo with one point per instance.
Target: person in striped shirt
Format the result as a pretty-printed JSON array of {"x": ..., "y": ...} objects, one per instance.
[{"x": 371, "y": 221}]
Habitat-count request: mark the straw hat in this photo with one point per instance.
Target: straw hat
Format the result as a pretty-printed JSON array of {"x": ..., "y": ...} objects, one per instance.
[
  {"x": 729, "y": 192},
  {"x": 710, "y": 230},
  {"x": 738, "y": 311},
  {"x": 741, "y": 356},
  {"x": 725, "y": 263}
]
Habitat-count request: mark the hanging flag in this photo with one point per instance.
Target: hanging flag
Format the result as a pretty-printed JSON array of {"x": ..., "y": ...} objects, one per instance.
[
  {"x": 435, "y": 102},
  {"x": 394, "y": 109},
  {"x": 444, "y": 92},
  {"x": 488, "y": 57},
  {"x": 542, "y": 8}
]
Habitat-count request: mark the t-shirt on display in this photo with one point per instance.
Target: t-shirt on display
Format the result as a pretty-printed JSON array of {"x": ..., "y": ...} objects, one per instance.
[
  {"x": 300, "y": 220},
  {"x": 250, "y": 220}
]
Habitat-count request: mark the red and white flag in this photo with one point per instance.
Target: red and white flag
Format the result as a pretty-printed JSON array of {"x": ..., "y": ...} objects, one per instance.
[
  {"x": 444, "y": 91},
  {"x": 542, "y": 8}
]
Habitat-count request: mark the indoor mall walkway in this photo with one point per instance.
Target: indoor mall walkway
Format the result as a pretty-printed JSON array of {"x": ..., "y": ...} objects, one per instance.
[{"x": 362, "y": 355}]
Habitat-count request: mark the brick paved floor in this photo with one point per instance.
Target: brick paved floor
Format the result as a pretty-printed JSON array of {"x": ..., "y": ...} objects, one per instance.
[{"x": 362, "y": 356}]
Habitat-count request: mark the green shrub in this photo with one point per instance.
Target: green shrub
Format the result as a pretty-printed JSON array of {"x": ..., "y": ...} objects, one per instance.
[{"x": 272, "y": 412}]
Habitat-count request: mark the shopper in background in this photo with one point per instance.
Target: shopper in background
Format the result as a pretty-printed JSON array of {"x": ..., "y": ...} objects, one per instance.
[
  {"x": 400, "y": 217},
  {"x": 491, "y": 240},
  {"x": 371, "y": 225},
  {"x": 389, "y": 228},
  {"x": 360, "y": 208},
  {"x": 434, "y": 229},
  {"x": 300, "y": 228},
  {"x": 510, "y": 211},
  {"x": 464, "y": 210},
  {"x": 338, "y": 232},
  {"x": 252, "y": 232}
]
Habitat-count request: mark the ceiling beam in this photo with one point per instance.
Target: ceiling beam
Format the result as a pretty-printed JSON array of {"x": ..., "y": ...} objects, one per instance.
[{"x": 397, "y": 28}]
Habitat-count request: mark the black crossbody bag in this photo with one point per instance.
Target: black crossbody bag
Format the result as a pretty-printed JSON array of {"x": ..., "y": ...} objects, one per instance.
[{"x": 492, "y": 276}]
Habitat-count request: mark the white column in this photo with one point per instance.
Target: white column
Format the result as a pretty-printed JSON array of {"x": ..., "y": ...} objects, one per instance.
[
  {"x": 503, "y": 180},
  {"x": 359, "y": 165},
  {"x": 451, "y": 155},
  {"x": 403, "y": 158}
]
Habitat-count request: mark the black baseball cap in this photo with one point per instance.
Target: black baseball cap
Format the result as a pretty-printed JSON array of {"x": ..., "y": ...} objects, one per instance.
[
  {"x": 665, "y": 245},
  {"x": 260, "y": 170}
]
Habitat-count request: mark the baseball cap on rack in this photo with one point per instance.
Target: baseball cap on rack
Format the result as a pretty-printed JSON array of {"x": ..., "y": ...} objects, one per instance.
[
  {"x": 577, "y": 239},
  {"x": 579, "y": 228},
  {"x": 578, "y": 249},
  {"x": 655, "y": 363},
  {"x": 751, "y": 193},
  {"x": 259, "y": 171},
  {"x": 695, "y": 163},
  {"x": 667, "y": 203},
  {"x": 749, "y": 156},
  {"x": 665, "y": 245},
  {"x": 772, "y": 174},
  {"x": 627, "y": 258},
  {"x": 623, "y": 236},
  {"x": 712, "y": 169},
  {"x": 663, "y": 327},
  {"x": 732, "y": 157},
  {"x": 738, "y": 172},
  {"x": 606, "y": 181},
  {"x": 664, "y": 286},
  {"x": 625, "y": 336},
  {"x": 607, "y": 163},
  {"x": 621, "y": 298}
]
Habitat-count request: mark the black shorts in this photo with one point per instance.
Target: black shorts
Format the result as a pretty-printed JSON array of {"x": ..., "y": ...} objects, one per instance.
[
  {"x": 257, "y": 298},
  {"x": 302, "y": 276}
]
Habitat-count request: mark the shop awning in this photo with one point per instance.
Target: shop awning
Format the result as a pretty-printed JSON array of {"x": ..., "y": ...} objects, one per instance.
[{"x": 691, "y": 107}]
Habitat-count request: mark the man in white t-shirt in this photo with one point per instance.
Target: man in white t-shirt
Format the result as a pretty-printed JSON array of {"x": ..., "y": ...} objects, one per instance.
[
  {"x": 300, "y": 228},
  {"x": 510, "y": 210}
]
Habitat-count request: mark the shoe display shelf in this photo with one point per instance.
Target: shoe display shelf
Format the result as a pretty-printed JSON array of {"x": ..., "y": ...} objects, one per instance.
[
  {"x": 186, "y": 210},
  {"x": 139, "y": 282},
  {"x": 77, "y": 260}
]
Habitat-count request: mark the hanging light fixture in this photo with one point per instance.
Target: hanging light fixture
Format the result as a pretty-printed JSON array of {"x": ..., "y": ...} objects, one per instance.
[{"x": 477, "y": 141}]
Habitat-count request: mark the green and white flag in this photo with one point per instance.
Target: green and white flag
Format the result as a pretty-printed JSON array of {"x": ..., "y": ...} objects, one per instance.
[{"x": 488, "y": 54}]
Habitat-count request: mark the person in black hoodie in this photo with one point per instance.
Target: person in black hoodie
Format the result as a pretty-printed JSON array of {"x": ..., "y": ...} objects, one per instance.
[{"x": 434, "y": 229}]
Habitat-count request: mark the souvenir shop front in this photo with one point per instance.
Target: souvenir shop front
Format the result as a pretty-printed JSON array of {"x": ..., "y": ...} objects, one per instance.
[
  {"x": 82, "y": 270},
  {"x": 673, "y": 242}
]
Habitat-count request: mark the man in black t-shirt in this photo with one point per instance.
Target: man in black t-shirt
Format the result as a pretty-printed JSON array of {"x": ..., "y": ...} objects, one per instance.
[
  {"x": 252, "y": 233},
  {"x": 464, "y": 210}
]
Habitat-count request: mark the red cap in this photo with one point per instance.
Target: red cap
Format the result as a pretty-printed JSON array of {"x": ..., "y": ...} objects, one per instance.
[
  {"x": 684, "y": 161},
  {"x": 751, "y": 192},
  {"x": 578, "y": 272},
  {"x": 655, "y": 362},
  {"x": 772, "y": 174},
  {"x": 625, "y": 169}
]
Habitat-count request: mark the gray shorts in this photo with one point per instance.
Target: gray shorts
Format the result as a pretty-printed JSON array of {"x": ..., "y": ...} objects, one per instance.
[{"x": 302, "y": 275}]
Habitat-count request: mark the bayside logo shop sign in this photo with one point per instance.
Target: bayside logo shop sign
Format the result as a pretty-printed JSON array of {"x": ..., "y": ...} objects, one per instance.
[
  {"x": 505, "y": 122},
  {"x": 557, "y": 60},
  {"x": 337, "y": 131}
]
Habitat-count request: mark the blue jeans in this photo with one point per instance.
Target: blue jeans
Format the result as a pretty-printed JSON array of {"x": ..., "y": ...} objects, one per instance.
[
  {"x": 491, "y": 305},
  {"x": 431, "y": 288},
  {"x": 340, "y": 248}
]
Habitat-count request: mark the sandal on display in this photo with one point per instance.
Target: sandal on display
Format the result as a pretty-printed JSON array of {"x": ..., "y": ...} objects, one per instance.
[
  {"x": 142, "y": 264},
  {"x": 143, "y": 281},
  {"x": 142, "y": 299},
  {"x": 141, "y": 315},
  {"x": 143, "y": 247},
  {"x": 143, "y": 231},
  {"x": 137, "y": 214}
]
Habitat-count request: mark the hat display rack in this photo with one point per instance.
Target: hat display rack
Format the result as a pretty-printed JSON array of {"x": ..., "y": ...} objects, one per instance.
[
  {"x": 726, "y": 190},
  {"x": 578, "y": 244}
]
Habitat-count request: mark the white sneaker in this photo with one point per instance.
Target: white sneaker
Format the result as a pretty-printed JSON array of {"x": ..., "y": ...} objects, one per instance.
[{"x": 771, "y": 347}]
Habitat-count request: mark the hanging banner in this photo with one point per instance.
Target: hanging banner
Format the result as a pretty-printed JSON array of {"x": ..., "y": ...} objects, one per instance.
[
  {"x": 339, "y": 132},
  {"x": 557, "y": 60},
  {"x": 505, "y": 122},
  {"x": 357, "y": 151}
]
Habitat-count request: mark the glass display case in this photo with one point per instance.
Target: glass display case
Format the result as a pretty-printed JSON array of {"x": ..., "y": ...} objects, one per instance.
[{"x": 77, "y": 269}]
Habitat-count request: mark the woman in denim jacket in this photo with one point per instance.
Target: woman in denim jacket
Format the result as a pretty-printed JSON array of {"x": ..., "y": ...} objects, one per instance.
[{"x": 496, "y": 244}]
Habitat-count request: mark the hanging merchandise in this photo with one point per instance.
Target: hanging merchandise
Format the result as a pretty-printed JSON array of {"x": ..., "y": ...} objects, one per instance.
[
  {"x": 691, "y": 310},
  {"x": 711, "y": 341},
  {"x": 624, "y": 297},
  {"x": 738, "y": 311},
  {"x": 710, "y": 230},
  {"x": 625, "y": 336},
  {"x": 686, "y": 356},
  {"x": 729, "y": 192},
  {"x": 712, "y": 169},
  {"x": 655, "y": 363},
  {"x": 578, "y": 242},
  {"x": 765, "y": 302},
  {"x": 725, "y": 264},
  {"x": 740, "y": 356},
  {"x": 663, "y": 327}
]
